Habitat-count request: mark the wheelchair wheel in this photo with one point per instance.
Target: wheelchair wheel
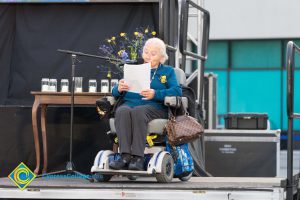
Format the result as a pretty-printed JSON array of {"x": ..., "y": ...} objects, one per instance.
[
  {"x": 132, "y": 177},
  {"x": 167, "y": 171},
  {"x": 98, "y": 177},
  {"x": 186, "y": 178}
]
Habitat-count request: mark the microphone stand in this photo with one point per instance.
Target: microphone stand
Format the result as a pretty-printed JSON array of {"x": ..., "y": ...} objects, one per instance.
[{"x": 70, "y": 165}]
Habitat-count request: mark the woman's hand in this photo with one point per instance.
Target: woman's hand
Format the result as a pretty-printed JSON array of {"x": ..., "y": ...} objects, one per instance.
[
  {"x": 122, "y": 86},
  {"x": 148, "y": 94}
]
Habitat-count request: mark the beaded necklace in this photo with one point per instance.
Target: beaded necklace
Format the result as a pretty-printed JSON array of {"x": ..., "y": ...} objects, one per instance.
[{"x": 154, "y": 73}]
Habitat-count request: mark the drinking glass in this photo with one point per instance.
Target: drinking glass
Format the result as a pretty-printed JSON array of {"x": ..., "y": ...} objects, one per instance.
[
  {"x": 53, "y": 85},
  {"x": 104, "y": 86},
  {"x": 92, "y": 85},
  {"x": 78, "y": 84},
  {"x": 113, "y": 82},
  {"x": 64, "y": 85},
  {"x": 45, "y": 85}
]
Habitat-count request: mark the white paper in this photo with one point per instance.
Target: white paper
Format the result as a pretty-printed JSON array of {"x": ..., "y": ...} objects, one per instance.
[{"x": 137, "y": 77}]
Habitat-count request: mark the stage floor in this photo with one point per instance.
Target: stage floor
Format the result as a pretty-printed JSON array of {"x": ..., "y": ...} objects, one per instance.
[
  {"x": 199, "y": 188},
  {"x": 146, "y": 188}
]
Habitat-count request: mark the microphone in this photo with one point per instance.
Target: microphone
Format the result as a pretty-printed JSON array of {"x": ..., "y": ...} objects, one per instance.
[{"x": 135, "y": 62}]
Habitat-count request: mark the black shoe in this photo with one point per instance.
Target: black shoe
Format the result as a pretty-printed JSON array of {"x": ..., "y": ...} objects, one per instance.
[
  {"x": 121, "y": 163},
  {"x": 136, "y": 163}
]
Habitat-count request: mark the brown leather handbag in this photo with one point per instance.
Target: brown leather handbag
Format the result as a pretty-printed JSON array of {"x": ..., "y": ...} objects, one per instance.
[{"x": 182, "y": 129}]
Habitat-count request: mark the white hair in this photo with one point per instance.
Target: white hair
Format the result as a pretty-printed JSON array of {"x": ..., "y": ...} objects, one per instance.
[{"x": 161, "y": 45}]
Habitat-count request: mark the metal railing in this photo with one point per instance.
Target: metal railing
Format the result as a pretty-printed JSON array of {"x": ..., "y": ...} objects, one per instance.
[
  {"x": 184, "y": 27},
  {"x": 290, "y": 67},
  {"x": 201, "y": 56}
]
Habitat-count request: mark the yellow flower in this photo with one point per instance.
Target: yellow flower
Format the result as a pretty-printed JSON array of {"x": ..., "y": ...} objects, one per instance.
[
  {"x": 122, "y": 34},
  {"x": 146, "y": 30},
  {"x": 163, "y": 79},
  {"x": 108, "y": 74},
  {"x": 153, "y": 33},
  {"x": 120, "y": 52},
  {"x": 136, "y": 33},
  {"x": 109, "y": 41},
  {"x": 113, "y": 38}
]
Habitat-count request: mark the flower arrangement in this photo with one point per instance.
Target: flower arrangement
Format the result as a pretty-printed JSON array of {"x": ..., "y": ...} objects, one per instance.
[{"x": 126, "y": 47}]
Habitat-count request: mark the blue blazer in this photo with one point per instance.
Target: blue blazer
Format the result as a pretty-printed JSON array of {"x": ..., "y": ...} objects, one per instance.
[{"x": 164, "y": 83}]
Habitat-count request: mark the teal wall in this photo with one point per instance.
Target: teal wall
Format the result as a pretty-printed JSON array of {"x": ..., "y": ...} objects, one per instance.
[{"x": 252, "y": 78}]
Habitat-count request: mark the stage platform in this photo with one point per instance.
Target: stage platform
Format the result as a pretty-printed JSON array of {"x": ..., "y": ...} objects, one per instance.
[{"x": 147, "y": 188}]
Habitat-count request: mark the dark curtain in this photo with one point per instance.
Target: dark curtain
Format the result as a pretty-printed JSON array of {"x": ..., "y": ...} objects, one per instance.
[
  {"x": 32, "y": 33},
  {"x": 7, "y": 29},
  {"x": 30, "y": 37}
]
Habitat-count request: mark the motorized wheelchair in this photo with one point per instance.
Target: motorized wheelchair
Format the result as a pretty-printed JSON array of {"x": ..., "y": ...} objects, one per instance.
[{"x": 158, "y": 161}]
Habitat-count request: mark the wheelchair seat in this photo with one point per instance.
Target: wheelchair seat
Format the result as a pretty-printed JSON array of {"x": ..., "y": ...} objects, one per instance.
[{"x": 156, "y": 126}]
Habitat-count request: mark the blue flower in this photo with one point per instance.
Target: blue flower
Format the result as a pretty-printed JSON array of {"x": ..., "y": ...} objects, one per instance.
[{"x": 124, "y": 55}]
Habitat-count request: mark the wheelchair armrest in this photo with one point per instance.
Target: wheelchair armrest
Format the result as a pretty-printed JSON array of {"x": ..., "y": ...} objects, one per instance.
[{"x": 170, "y": 101}]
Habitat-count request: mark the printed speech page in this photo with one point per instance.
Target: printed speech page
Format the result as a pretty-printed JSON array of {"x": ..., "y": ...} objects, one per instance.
[{"x": 137, "y": 77}]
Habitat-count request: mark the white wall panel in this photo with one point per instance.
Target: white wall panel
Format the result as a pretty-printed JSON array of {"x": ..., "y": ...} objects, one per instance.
[{"x": 252, "y": 19}]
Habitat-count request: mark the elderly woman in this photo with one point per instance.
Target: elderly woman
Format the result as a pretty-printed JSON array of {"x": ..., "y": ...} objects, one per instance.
[{"x": 133, "y": 115}]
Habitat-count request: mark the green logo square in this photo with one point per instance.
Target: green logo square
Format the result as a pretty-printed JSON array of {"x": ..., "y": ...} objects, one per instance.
[{"x": 22, "y": 176}]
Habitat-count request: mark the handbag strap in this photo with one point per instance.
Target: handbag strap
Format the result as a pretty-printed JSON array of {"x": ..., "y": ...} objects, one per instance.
[
  {"x": 172, "y": 113},
  {"x": 182, "y": 108}
]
